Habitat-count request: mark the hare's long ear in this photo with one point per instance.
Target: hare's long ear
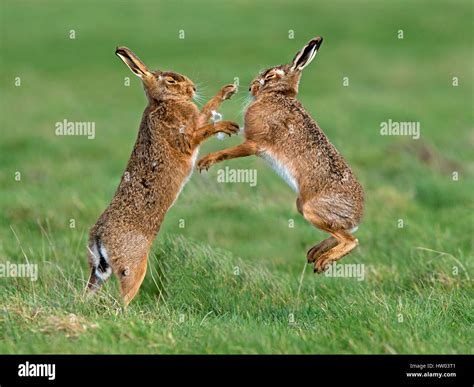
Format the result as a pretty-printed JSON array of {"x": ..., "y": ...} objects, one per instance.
[
  {"x": 132, "y": 61},
  {"x": 306, "y": 54}
]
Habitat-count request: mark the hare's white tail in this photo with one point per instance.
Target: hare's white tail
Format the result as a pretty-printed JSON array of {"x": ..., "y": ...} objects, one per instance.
[{"x": 100, "y": 267}]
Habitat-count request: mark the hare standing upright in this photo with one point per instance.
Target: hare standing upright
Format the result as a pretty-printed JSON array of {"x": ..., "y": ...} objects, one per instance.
[
  {"x": 161, "y": 162},
  {"x": 278, "y": 129}
]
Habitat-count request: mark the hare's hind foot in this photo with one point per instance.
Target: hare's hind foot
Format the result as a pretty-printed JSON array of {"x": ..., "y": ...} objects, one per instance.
[
  {"x": 347, "y": 243},
  {"x": 314, "y": 252}
]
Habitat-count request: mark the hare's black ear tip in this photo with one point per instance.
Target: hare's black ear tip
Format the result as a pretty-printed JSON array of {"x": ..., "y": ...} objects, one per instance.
[
  {"x": 120, "y": 50},
  {"x": 317, "y": 41}
]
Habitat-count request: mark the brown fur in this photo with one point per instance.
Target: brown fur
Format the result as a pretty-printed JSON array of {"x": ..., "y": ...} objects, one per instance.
[
  {"x": 278, "y": 127},
  {"x": 170, "y": 132}
]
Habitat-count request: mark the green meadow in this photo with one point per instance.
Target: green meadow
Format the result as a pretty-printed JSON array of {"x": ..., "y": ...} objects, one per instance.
[{"x": 228, "y": 272}]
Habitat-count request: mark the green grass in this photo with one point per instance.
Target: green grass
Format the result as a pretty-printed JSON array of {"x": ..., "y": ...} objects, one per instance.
[{"x": 233, "y": 280}]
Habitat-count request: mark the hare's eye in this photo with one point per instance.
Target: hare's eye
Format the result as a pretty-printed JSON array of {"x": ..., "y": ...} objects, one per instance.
[
  {"x": 170, "y": 80},
  {"x": 270, "y": 76},
  {"x": 125, "y": 272}
]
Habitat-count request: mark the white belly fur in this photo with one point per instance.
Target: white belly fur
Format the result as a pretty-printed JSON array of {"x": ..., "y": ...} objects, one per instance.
[
  {"x": 283, "y": 171},
  {"x": 193, "y": 163}
]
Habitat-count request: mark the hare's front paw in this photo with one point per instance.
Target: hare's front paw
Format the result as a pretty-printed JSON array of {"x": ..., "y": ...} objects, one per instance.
[
  {"x": 228, "y": 91},
  {"x": 206, "y": 162},
  {"x": 227, "y": 127}
]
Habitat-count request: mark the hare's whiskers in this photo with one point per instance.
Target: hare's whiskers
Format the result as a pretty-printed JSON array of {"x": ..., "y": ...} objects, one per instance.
[{"x": 245, "y": 103}]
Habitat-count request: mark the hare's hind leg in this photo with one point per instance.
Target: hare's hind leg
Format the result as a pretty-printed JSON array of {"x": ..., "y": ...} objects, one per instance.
[
  {"x": 317, "y": 250},
  {"x": 340, "y": 242},
  {"x": 320, "y": 248},
  {"x": 347, "y": 243},
  {"x": 323, "y": 246}
]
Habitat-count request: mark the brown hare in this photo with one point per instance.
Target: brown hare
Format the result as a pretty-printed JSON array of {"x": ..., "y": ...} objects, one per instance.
[
  {"x": 278, "y": 129},
  {"x": 161, "y": 162}
]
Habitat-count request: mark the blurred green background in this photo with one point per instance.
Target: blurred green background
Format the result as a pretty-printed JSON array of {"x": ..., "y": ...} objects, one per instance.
[{"x": 231, "y": 280}]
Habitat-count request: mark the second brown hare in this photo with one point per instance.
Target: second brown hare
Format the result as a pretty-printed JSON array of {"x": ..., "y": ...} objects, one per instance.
[
  {"x": 161, "y": 162},
  {"x": 278, "y": 129}
]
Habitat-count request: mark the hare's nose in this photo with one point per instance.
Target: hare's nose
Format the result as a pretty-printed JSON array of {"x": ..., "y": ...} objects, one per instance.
[{"x": 194, "y": 88}]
